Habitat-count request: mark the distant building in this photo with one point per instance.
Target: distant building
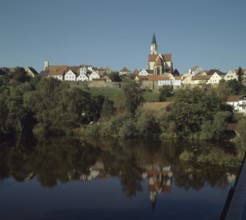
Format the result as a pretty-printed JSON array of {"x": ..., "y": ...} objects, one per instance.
[
  {"x": 159, "y": 63},
  {"x": 125, "y": 72},
  {"x": 230, "y": 75},
  {"x": 70, "y": 73},
  {"x": 238, "y": 102},
  {"x": 195, "y": 70}
]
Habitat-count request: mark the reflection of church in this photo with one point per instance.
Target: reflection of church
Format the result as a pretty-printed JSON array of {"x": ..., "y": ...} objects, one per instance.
[{"x": 159, "y": 180}]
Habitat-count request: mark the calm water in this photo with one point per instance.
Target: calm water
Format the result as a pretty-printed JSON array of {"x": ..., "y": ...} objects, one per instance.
[{"x": 65, "y": 179}]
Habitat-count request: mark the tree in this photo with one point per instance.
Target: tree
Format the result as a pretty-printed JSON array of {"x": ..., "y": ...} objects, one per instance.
[
  {"x": 192, "y": 108},
  {"x": 43, "y": 102},
  {"x": 165, "y": 92},
  {"x": 132, "y": 95},
  {"x": 241, "y": 131},
  {"x": 108, "y": 108},
  {"x": 15, "y": 119},
  {"x": 75, "y": 107},
  {"x": 114, "y": 76}
]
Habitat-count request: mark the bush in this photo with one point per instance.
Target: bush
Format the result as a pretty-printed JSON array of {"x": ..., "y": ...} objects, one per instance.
[
  {"x": 147, "y": 124},
  {"x": 128, "y": 129},
  {"x": 39, "y": 130},
  {"x": 186, "y": 156},
  {"x": 92, "y": 130}
]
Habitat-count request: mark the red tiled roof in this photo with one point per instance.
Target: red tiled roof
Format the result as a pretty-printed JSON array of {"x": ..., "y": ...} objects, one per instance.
[
  {"x": 75, "y": 69},
  {"x": 152, "y": 57},
  {"x": 158, "y": 61},
  {"x": 167, "y": 57},
  {"x": 234, "y": 98},
  {"x": 56, "y": 70},
  {"x": 200, "y": 77}
]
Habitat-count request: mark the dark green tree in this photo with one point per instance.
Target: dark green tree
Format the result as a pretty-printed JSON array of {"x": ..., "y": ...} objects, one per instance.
[
  {"x": 192, "y": 108},
  {"x": 132, "y": 95},
  {"x": 165, "y": 92},
  {"x": 108, "y": 108},
  {"x": 115, "y": 77}
]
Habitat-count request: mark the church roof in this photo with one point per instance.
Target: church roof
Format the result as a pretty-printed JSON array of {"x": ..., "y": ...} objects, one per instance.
[
  {"x": 152, "y": 57},
  {"x": 167, "y": 57},
  {"x": 158, "y": 61}
]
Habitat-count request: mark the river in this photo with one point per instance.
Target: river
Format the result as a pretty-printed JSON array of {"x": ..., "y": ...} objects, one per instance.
[{"x": 70, "y": 179}]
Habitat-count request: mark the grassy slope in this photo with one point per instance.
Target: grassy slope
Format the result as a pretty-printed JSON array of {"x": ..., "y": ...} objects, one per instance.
[{"x": 115, "y": 94}]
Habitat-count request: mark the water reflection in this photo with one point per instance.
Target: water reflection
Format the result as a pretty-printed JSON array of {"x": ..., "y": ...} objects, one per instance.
[{"x": 135, "y": 163}]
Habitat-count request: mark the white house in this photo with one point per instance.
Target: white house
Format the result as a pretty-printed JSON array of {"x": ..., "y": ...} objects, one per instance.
[
  {"x": 231, "y": 75},
  {"x": 70, "y": 76},
  {"x": 55, "y": 71},
  {"x": 238, "y": 102},
  {"x": 82, "y": 77},
  {"x": 94, "y": 75},
  {"x": 82, "y": 74},
  {"x": 195, "y": 70},
  {"x": 214, "y": 79},
  {"x": 124, "y": 72}
]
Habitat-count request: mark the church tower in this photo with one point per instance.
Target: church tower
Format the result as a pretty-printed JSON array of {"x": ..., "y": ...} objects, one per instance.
[
  {"x": 153, "y": 47},
  {"x": 159, "y": 64}
]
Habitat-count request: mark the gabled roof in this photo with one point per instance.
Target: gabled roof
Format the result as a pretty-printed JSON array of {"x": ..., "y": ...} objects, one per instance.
[
  {"x": 32, "y": 70},
  {"x": 212, "y": 71},
  {"x": 75, "y": 69},
  {"x": 124, "y": 69},
  {"x": 200, "y": 77},
  {"x": 176, "y": 72},
  {"x": 164, "y": 57},
  {"x": 167, "y": 57},
  {"x": 56, "y": 70},
  {"x": 158, "y": 61},
  {"x": 152, "y": 57}
]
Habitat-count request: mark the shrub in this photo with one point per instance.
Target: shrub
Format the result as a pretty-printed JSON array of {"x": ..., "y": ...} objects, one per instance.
[
  {"x": 128, "y": 129},
  {"x": 147, "y": 124}
]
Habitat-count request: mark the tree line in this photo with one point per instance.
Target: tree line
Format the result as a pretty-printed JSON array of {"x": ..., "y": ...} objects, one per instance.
[{"x": 47, "y": 106}]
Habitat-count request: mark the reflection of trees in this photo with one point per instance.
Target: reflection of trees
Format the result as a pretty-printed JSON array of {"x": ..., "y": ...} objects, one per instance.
[
  {"x": 190, "y": 176},
  {"x": 63, "y": 160},
  {"x": 130, "y": 177}
]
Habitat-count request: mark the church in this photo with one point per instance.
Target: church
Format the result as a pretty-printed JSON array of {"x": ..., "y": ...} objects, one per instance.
[{"x": 159, "y": 64}]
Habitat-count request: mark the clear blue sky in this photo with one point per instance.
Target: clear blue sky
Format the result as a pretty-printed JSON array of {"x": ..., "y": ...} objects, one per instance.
[{"x": 118, "y": 33}]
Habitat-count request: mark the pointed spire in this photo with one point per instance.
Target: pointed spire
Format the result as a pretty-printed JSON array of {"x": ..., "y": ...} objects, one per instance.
[{"x": 153, "y": 39}]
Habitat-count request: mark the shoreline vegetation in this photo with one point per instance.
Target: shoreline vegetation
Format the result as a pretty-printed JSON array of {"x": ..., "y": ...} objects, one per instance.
[{"x": 46, "y": 106}]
